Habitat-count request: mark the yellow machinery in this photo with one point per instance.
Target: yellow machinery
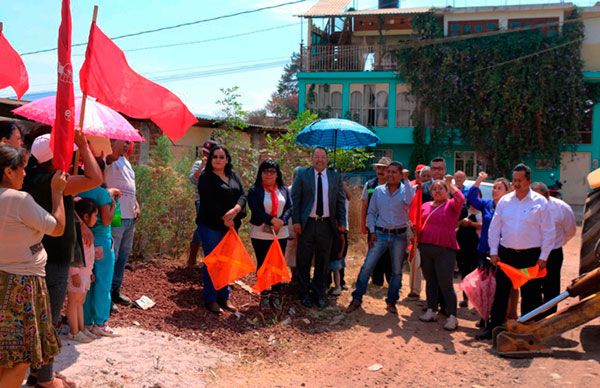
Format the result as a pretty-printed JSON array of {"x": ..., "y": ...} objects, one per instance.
[{"x": 526, "y": 337}]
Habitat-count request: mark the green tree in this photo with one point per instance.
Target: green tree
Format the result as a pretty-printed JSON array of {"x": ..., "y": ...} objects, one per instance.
[{"x": 509, "y": 96}]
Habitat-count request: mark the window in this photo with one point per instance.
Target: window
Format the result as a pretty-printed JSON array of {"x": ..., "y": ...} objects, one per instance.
[
  {"x": 405, "y": 106},
  {"x": 548, "y": 26},
  {"x": 369, "y": 105},
  {"x": 471, "y": 26},
  {"x": 467, "y": 162},
  {"x": 336, "y": 105},
  {"x": 356, "y": 106},
  {"x": 381, "y": 109}
]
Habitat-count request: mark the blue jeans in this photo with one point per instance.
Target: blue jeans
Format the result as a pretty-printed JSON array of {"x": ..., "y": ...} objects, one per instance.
[
  {"x": 210, "y": 239},
  {"x": 122, "y": 244},
  {"x": 396, "y": 245}
]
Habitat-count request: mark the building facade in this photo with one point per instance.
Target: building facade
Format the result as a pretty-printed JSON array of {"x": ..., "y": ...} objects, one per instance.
[{"x": 348, "y": 71}]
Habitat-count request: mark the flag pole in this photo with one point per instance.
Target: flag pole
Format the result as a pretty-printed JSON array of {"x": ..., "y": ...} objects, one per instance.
[
  {"x": 1, "y": 26},
  {"x": 84, "y": 98}
]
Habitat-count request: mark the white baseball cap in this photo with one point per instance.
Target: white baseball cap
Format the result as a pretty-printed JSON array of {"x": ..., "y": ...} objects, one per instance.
[{"x": 41, "y": 148}]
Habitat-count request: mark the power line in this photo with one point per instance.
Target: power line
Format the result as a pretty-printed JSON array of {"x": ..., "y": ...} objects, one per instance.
[
  {"x": 179, "y": 25},
  {"x": 204, "y": 40}
]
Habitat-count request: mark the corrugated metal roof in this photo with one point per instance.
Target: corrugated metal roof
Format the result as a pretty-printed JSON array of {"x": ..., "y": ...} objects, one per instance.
[
  {"x": 386, "y": 11},
  {"x": 327, "y": 8}
]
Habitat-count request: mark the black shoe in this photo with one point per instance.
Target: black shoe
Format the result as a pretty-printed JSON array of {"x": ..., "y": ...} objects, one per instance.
[
  {"x": 485, "y": 334},
  {"x": 392, "y": 309},
  {"x": 119, "y": 298},
  {"x": 481, "y": 323},
  {"x": 354, "y": 305},
  {"x": 463, "y": 303},
  {"x": 306, "y": 302},
  {"x": 321, "y": 303}
]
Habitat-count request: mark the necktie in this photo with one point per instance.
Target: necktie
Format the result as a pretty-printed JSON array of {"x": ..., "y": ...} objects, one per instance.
[{"x": 319, "y": 196}]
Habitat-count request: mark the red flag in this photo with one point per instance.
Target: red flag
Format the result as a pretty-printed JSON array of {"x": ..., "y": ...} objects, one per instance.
[
  {"x": 63, "y": 131},
  {"x": 107, "y": 76},
  {"x": 414, "y": 215},
  {"x": 520, "y": 276},
  {"x": 274, "y": 269},
  {"x": 228, "y": 261},
  {"x": 12, "y": 68}
]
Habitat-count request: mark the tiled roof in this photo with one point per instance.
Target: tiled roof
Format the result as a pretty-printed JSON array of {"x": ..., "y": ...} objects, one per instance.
[{"x": 327, "y": 8}]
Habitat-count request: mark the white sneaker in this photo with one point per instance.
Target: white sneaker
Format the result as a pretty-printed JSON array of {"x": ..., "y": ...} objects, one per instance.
[
  {"x": 104, "y": 331},
  {"x": 451, "y": 323},
  {"x": 429, "y": 316}
]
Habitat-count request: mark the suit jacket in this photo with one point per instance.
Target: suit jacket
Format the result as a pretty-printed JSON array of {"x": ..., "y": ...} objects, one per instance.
[{"x": 303, "y": 197}]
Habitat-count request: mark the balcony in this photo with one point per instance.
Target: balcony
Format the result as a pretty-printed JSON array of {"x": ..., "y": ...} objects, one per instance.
[{"x": 317, "y": 58}]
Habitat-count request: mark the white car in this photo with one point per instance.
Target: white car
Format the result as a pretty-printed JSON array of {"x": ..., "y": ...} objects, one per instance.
[{"x": 485, "y": 187}]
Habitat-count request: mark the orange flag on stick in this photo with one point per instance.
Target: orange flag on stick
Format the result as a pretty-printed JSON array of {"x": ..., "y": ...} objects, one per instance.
[
  {"x": 520, "y": 276},
  {"x": 273, "y": 271},
  {"x": 229, "y": 261}
]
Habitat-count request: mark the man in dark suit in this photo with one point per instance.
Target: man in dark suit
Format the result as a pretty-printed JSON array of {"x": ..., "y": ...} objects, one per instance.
[{"x": 318, "y": 210}]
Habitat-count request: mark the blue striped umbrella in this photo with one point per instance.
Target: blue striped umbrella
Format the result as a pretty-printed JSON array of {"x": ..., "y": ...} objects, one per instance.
[{"x": 337, "y": 133}]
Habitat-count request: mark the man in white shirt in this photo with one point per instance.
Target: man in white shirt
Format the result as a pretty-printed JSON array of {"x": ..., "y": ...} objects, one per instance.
[
  {"x": 521, "y": 235},
  {"x": 565, "y": 228},
  {"x": 120, "y": 174}
]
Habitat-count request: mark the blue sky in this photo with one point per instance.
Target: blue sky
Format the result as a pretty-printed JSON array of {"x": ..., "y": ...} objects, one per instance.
[{"x": 31, "y": 25}]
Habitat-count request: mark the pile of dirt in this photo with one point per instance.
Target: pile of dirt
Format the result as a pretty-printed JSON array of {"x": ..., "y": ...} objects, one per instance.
[{"x": 177, "y": 291}]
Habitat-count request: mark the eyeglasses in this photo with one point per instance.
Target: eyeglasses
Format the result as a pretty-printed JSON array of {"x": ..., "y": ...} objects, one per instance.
[
  {"x": 219, "y": 157},
  {"x": 269, "y": 172}
]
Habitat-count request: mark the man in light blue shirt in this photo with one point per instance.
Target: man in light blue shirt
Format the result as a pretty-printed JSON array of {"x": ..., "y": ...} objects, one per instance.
[{"x": 387, "y": 220}]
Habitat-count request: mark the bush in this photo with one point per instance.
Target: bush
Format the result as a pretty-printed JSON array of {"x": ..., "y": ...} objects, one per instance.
[{"x": 166, "y": 198}]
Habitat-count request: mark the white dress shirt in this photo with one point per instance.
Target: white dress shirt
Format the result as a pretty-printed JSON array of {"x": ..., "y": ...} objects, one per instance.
[
  {"x": 522, "y": 224},
  {"x": 564, "y": 221},
  {"x": 313, "y": 212}
]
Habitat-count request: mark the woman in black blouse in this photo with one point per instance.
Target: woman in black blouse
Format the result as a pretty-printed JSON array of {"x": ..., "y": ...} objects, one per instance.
[{"x": 222, "y": 206}]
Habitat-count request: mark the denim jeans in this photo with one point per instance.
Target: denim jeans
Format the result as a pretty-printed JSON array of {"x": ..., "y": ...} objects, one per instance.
[
  {"x": 395, "y": 244},
  {"x": 122, "y": 244},
  {"x": 210, "y": 239}
]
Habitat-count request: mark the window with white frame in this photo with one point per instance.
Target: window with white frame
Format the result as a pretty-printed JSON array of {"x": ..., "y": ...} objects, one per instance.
[
  {"x": 405, "y": 106},
  {"x": 381, "y": 109},
  {"x": 468, "y": 162},
  {"x": 324, "y": 99}
]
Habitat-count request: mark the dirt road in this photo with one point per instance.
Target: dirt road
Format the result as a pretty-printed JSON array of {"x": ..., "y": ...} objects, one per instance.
[{"x": 412, "y": 353}]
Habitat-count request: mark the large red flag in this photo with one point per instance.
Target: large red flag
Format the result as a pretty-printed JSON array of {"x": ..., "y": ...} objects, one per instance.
[
  {"x": 107, "y": 76},
  {"x": 12, "y": 68},
  {"x": 414, "y": 215},
  {"x": 63, "y": 131}
]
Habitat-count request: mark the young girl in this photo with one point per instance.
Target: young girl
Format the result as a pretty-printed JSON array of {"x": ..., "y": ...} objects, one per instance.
[
  {"x": 81, "y": 277},
  {"x": 97, "y": 303}
]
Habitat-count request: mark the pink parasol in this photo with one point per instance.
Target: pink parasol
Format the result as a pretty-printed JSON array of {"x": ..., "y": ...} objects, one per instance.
[{"x": 100, "y": 120}]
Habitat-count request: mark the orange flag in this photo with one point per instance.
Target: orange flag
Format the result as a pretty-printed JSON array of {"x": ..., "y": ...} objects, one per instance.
[
  {"x": 229, "y": 261},
  {"x": 273, "y": 271},
  {"x": 520, "y": 276}
]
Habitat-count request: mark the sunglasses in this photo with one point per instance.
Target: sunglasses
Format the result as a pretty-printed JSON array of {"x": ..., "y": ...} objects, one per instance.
[
  {"x": 270, "y": 172},
  {"x": 219, "y": 157}
]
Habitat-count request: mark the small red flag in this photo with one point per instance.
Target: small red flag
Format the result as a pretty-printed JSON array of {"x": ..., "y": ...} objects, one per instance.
[
  {"x": 414, "y": 215},
  {"x": 228, "y": 261},
  {"x": 520, "y": 276},
  {"x": 63, "y": 131},
  {"x": 106, "y": 75},
  {"x": 274, "y": 269},
  {"x": 12, "y": 69}
]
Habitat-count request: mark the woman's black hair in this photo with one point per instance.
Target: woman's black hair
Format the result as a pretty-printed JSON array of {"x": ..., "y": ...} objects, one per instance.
[
  {"x": 11, "y": 157},
  {"x": 7, "y": 128},
  {"x": 228, "y": 166},
  {"x": 85, "y": 206},
  {"x": 269, "y": 163}
]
